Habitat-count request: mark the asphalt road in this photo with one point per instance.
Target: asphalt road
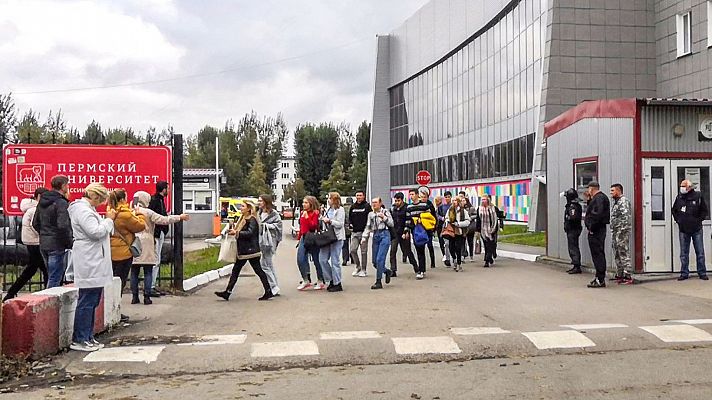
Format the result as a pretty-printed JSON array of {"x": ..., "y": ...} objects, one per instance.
[{"x": 443, "y": 337}]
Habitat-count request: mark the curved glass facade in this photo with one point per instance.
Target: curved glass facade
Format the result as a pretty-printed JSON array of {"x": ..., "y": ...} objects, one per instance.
[{"x": 492, "y": 79}]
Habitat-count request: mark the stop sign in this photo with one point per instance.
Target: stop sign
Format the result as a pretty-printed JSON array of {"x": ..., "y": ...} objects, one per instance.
[{"x": 423, "y": 178}]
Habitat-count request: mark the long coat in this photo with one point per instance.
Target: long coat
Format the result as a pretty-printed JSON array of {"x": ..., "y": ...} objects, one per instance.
[{"x": 91, "y": 252}]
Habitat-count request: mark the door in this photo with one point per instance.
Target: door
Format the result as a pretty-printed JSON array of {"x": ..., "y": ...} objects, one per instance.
[{"x": 661, "y": 182}]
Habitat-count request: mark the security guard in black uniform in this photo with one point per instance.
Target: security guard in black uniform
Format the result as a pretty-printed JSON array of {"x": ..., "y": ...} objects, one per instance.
[{"x": 573, "y": 214}]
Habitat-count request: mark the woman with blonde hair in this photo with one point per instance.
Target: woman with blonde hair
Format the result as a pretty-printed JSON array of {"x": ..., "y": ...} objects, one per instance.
[
  {"x": 330, "y": 256},
  {"x": 309, "y": 222},
  {"x": 488, "y": 226},
  {"x": 127, "y": 224},
  {"x": 91, "y": 260},
  {"x": 247, "y": 234},
  {"x": 459, "y": 219}
]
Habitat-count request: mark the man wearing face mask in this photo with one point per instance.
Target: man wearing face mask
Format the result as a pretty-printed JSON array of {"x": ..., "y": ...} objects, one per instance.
[
  {"x": 689, "y": 210},
  {"x": 572, "y": 227}
]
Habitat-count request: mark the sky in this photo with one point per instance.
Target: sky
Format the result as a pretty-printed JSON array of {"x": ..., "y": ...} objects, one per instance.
[{"x": 187, "y": 63}]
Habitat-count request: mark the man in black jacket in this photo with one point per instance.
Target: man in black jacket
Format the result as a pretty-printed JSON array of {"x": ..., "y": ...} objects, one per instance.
[
  {"x": 55, "y": 229},
  {"x": 689, "y": 210},
  {"x": 572, "y": 226},
  {"x": 598, "y": 216},
  {"x": 358, "y": 216},
  {"x": 399, "y": 211},
  {"x": 158, "y": 205}
]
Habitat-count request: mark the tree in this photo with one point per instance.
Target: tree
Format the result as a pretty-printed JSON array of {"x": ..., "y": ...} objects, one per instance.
[
  {"x": 363, "y": 141},
  {"x": 55, "y": 128},
  {"x": 93, "y": 134},
  {"x": 358, "y": 176},
  {"x": 125, "y": 136},
  {"x": 345, "y": 152},
  {"x": 336, "y": 182},
  {"x": 295, "y": 192},
  {"x": 7, "y": 125},
  {"x": 257, "y": 179},
  {"x": 29, "y": 129},
  {"x": 315, "y": 148}
]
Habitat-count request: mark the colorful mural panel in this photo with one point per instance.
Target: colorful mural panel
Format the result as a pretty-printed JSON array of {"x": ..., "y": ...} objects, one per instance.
[{"x": 511, "y": 197}]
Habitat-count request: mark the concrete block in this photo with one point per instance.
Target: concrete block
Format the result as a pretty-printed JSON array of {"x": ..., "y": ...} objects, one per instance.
[
  {"x": 202, "y": 279},
  {"x": 67, "y": 297},
  {"x": 213, "y": 275},
  {"x": 99, "y": 316},
  {"x": 190, "y": 284},
  {"x": 112, "y": 303},
  {"x": 31, "y": 326},
  {"x": 225, "y": 271}
]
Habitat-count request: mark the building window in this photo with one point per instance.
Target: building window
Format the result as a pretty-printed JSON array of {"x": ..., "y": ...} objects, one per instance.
[
  {"x": 684, "y": 34},
  {"x": 585, "y": 172},
  {"x": 285, "y": 165},
  {"x": 198, "y": 200},
  {"x": 657, "y": 193},
  {"x": 709, "y": 24},
  {"x": 285, "y": 176}
]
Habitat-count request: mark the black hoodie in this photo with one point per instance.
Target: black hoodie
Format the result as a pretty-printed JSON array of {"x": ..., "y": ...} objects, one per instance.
[{"x": 53, "y": 223}]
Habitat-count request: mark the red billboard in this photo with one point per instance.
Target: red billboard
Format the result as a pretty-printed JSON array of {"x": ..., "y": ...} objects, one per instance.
[{"x": 29, "y": 166}]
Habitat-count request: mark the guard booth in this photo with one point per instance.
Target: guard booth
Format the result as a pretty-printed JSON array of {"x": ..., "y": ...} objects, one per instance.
[{"x": 647, "y": 145}]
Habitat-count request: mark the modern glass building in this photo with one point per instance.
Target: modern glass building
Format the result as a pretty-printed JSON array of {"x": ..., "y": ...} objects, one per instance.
[{"x": 463, "y": 89}]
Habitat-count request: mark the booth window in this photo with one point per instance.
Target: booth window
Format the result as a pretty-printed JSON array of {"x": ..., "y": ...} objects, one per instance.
[
  {"x": 585, "y": 171},
  {"x": 198, "y": 200},
  {"x": 684, "y": 34}
]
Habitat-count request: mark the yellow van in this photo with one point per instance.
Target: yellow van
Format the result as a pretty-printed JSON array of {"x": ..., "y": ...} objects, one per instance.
[{"x": 231, "y": 207}]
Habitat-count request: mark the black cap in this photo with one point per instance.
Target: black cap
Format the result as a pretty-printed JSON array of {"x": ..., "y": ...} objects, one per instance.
[{"x": 571, "y": 194}]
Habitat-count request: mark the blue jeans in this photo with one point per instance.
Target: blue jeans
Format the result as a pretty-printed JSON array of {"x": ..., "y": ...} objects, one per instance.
[
  {"x": 147, "y": 279},
  {"x": 303, "y": 262},
  {"x": 330, "y": 260},
  {"x": 698, "y": 241},
  {"x": 55, "y": 267},
  {"x": 84, "y": 315},
  {"x": 379, "y": 248}
]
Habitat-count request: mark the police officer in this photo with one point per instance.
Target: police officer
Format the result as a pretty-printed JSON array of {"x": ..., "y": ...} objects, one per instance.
[
  {"x": 572, "y": 226},
  {"x": 598, "y": 215},
  {"x": 621, "y": 226}
]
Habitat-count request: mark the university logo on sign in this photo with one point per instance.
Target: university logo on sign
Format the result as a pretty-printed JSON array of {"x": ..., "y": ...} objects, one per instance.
[
  {"x": 29, "y": 177},
  {"x": 705, "y": 133}
]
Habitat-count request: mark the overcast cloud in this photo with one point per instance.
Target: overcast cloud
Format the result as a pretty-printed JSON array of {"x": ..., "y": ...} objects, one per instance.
[{"x": 54, "y": 45}]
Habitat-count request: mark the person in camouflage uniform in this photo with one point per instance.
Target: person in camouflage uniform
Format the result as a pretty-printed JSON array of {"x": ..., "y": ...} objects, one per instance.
[{"x": 621, "y": 226}]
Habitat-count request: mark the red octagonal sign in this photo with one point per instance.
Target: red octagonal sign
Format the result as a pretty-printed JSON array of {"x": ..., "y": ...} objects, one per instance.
[{"x": 423, "y": 178}]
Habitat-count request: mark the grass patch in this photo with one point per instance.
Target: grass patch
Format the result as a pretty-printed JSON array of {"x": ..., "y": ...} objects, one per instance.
[
  {"x": 513, "y": 229},
  {"x": 197, "y": 262},
  {"x": 537, "y": 239}
]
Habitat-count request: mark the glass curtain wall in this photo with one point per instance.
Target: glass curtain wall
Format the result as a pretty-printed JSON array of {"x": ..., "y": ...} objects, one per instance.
[{"x": 494, "y": 77}]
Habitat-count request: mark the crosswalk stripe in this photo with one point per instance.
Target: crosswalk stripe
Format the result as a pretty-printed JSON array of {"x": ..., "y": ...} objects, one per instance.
[
  {"x": 213, "y": 340},
  {"x": 285, "y": 349},
  {"x": 678, "y": 333},
  {"x": 477, "y": 331},
  {"x": 693, "y": 321},
  {"x": 588, "y": 327},
  {"x": 558, "y": 339},
  {"x": 145, "y": 354},
  {"x": 426, "y": 345},
  {"x": 349, "y": 335}
]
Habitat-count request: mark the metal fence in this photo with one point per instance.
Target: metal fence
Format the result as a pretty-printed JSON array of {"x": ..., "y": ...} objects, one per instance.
[{"x": 14, "y": 255}]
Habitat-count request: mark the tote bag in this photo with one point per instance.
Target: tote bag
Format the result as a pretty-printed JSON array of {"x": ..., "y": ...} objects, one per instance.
[{"x": 228, "y": 250}]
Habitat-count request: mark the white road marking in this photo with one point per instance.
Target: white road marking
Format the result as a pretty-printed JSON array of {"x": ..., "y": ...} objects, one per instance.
[
  {"x": 146, "y": 354},
  {"x": 212, "y": 340},
  {"x": 693, "y": 321},
  {"x": 588, "y": 327},
  {"x": 285, "y": 349},
  {"x": 350, "y": 335},
  {"x": 678, "y": 333},
  {"x": 477, "y": 331},
  {"x": 426, "y": 345},
  {"x": 558, "y": 340}
]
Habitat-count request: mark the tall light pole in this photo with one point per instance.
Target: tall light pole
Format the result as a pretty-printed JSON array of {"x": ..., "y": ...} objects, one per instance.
[{"x": 217, "y": 174}]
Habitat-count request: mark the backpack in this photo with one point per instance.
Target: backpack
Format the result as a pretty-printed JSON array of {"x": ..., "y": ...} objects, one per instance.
[{"x": 420, "y": 235}]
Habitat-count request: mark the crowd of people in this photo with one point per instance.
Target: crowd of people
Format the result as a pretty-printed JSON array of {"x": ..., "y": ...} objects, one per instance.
[{"x": 72, "y": 242}]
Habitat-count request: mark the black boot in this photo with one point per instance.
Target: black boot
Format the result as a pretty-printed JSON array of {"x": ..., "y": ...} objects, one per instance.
[
  {"x": 268, "y": 295},
  {"x": 389, "y": 274},
  {"x": 147, "y": 300},
  {"x": 575, "y": 270},
  {"x": 135, "y": 300},
  {"x": 377, "y": 285},
  {"x": 225, "y": 295},
  {"x": 394, "y": 273}
]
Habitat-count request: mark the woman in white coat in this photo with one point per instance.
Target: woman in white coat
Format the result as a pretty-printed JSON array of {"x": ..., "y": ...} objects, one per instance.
[
  {"x": 148, "y": 257},
  {"x": 91, "y": 258}
]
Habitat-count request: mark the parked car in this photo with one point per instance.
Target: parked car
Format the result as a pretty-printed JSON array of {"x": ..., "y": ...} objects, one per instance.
[{"x": 287, "y": 213}]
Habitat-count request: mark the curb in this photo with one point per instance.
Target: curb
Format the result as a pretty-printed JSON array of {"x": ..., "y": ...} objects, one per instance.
[
  {"x": 199, "y": 281},
  {"x": 639, "y": 278}
]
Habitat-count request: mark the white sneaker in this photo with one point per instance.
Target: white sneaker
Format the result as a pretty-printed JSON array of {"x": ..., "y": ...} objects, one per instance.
[
  {"x": 96, "y": 343},
  {"x": 472, "y": 259},
  {"x": 319, "y": 286},
  {"x": 419, "y": 276},
  {"x": 363, "y": 274},
  {"x": 84, "y": 346},
  {"x": 444, "y": 258},
  {"x": 276, "y": 290},
  {"x": 355, "y": 273},
  {"x": 304, "y": 286}
]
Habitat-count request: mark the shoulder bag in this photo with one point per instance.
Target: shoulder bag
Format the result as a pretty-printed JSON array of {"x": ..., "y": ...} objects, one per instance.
[{"x": 135, "y": 246}]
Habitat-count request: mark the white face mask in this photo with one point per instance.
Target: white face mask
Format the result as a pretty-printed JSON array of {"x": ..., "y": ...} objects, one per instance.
[{"x": 683, "y": 190}]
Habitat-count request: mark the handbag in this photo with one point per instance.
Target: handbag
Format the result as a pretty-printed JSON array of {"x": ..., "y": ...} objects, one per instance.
[
  {"x": 478, "y": 244},
  {"x": 134, "y": 247},
  {"x": 449, "y": 231},
  {"x": 320, "y": 238},
  {"x": 228, "y": 250}
]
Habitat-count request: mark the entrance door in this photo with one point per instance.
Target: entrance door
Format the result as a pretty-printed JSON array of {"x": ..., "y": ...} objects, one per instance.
[{"x": 661, "y": 182}]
